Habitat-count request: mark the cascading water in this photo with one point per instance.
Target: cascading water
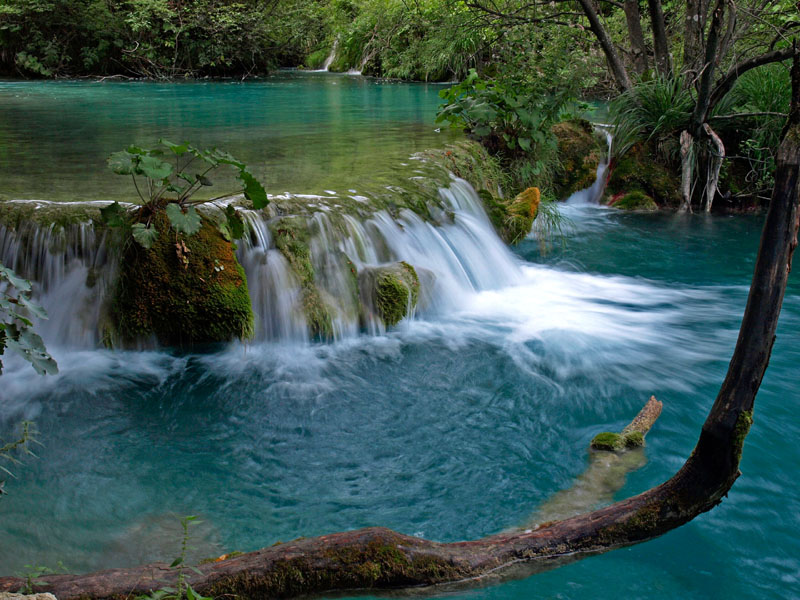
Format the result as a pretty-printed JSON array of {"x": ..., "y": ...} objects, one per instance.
[
  {"x": 593, "y": 193},
  {"x": 455, "y": 251},
  {"x": 70, "y": 266}
]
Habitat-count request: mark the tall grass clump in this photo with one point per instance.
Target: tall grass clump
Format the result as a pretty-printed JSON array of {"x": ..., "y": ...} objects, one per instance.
[{"x": 652, "y": 111}]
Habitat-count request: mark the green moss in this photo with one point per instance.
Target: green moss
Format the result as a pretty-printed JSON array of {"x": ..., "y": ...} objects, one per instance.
[
  {"x": 380, "y": 563},
  {"x": 579, "y": 152},
  {"x": 636, "y": 200},
  {"x": 613, "y": 442},
  {"x": 607, "y": 441},
  {"x": 291, "y": 236},
  {"x": 637, "y": 171},
  {"x": 742, "y": 428},
  {"x": 396, "y": 289},
  {"x": 634, "y": 439},
  {"x": 470, "y": 161},
  {"x": 181, "y": 302},
  {"x": 61, "y": 215}
]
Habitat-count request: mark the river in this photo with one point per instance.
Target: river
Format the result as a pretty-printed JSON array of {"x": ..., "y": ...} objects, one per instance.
[{"x": 453, "y": 425}]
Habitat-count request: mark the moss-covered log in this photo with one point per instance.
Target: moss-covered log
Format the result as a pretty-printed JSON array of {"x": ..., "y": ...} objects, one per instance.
[{"x": 380, "y": 558}]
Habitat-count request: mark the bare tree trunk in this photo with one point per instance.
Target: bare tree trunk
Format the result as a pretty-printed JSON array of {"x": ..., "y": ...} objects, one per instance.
[
  {"x": 687, "y": 170},
  {"x": 693, "y": 37},
  {"x": 660, "y": 42},
  {"x": 715, "y": 164},
  {"x": 613, "y": 58},
  {"x": 633, "y": 18},
  {"x": 702, "y": 103},
  {"x": 377, "y": 558}
]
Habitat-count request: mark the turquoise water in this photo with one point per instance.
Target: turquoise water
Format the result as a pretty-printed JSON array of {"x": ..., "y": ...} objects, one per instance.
[
  {"x": 299, "y": 132},
  {"x": 451, "y": 426}
]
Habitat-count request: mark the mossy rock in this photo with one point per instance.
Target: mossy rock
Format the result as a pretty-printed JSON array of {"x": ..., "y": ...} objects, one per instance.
[
  {"x": 389, "y": 291},
  {"x": 512, "y": 219},
  {"x": 14, "y": 213},
  {"x": 184, "y": 290},
  {"x": 638, "y": 171},
  {"x": 579, "y": 151},
  {"x": 636, "y": 200},
  {"x": 292, "y": 237}
]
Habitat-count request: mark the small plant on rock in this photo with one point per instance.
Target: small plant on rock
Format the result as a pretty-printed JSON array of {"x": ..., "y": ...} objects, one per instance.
[
  {"x": 182, "y": 589},
  {"x": 166, "y": 178}
]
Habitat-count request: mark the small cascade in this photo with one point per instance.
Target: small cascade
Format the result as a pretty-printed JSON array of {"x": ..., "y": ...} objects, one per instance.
[
  {"x": 331, "y": 57},
  {"x": 594, "y": 193},
  {"x": 456, "y": 253},
  {"x": 449, "y": 241},
  {"x": 71, "y": 270}
]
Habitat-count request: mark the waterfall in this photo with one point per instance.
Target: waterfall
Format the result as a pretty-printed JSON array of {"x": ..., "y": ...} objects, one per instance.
[
  {"x": 331, "y": 57},
  {"x": 454, "y": 249},
  {"x": 72, "y": 274},
  {"x": 594, "y": 193}
]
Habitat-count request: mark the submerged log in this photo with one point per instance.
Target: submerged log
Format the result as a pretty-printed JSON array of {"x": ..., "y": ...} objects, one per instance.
[{"x": 380, "y": 558}]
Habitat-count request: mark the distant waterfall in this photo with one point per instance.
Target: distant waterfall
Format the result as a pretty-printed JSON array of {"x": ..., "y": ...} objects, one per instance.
[
  {"x": 456, "y": 253},
  {"x": 594, "y": 193},
  {"x": 331, "y": 57}
]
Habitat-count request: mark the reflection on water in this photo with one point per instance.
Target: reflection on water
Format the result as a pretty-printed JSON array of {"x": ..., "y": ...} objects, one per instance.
[{"x": 297, "y": 131}]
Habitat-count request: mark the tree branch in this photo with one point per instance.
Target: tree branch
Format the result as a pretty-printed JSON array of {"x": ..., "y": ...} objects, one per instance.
[{"x": 725, "y": 84}]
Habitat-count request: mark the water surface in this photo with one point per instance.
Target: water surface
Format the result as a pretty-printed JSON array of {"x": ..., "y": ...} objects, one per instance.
[
  {"x": 450, "y": 427},
  {"x": 299, "y": 132}
]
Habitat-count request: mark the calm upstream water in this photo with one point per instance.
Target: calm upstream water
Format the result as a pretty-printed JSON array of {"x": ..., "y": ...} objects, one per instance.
[
  {"x": 299, "y": 132},
  {"x": 454, "y": 425}
]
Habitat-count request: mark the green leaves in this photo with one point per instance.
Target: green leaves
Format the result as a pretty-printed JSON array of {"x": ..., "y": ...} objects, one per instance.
[
  {"x": 144, "y": 235},
  {"x": 508, "y": 122},
  {"x": 153, "y": 168},
  {"x": 25, "y": 342},
  {"x": 16, "y": 334},
  {"x": 113, "y": 215},
  {"x": 169, "y": 188},
  {"x": 122, "y": 163},
  {"x": 187, "y": 222},
  {"x": 232, "y": 228},
  {"x": 136, "y": 161},
  {"x": 253, "y": 190}
]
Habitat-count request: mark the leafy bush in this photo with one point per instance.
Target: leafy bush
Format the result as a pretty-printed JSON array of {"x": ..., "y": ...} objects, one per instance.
[
  {"x": 170, "y": 188},
  {"x": 515, "y": 126},
  {"x": 763, "y": 90},
  {"x": 16, "y": 328}
]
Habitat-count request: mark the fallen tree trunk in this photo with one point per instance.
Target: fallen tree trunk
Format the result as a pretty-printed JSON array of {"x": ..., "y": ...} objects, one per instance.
[{"x": 380, "y": 558}]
